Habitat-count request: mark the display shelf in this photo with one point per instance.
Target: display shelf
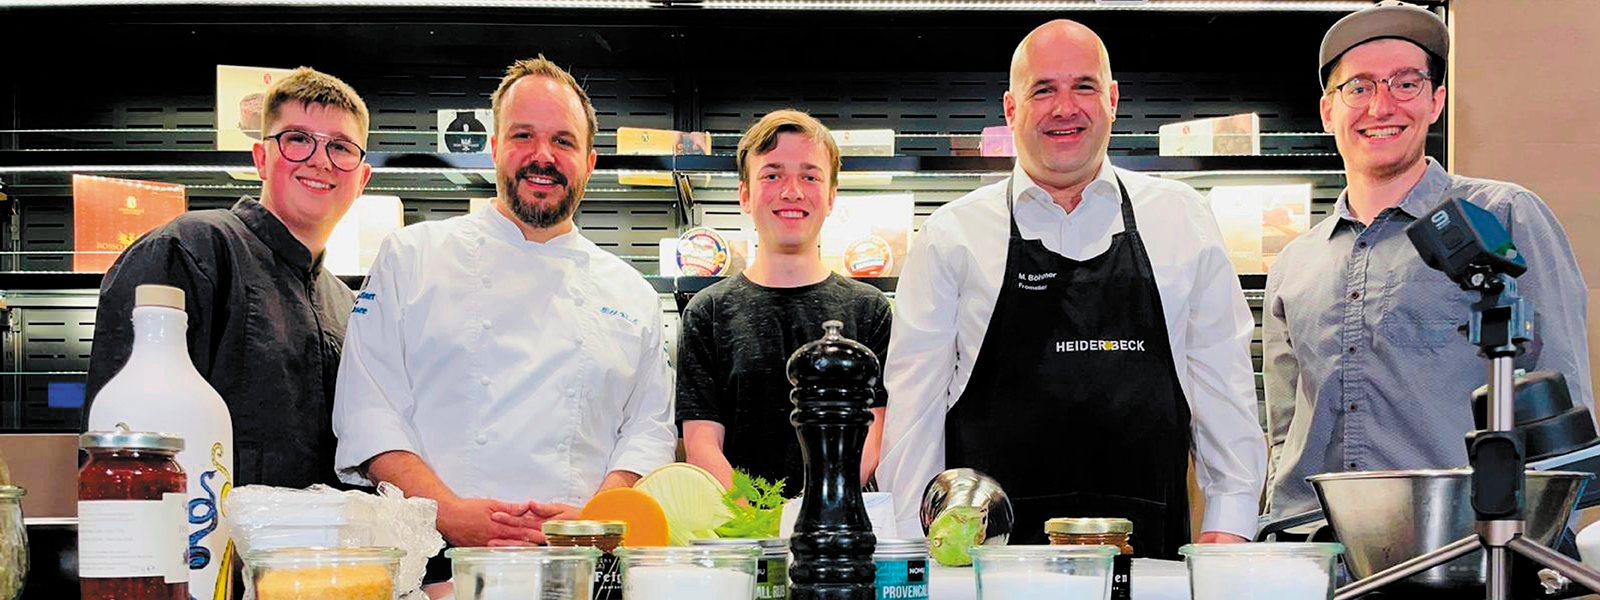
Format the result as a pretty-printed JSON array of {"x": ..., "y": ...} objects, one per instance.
[
  {"x": 191, "y": 138},
  {"x": 190, "y": 161}
]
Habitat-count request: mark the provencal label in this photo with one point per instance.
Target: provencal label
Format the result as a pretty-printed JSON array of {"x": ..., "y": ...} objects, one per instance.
[{"x": 902, "y": 580}]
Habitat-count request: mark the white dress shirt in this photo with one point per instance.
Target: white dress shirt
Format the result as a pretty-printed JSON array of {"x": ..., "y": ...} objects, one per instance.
[
  {"x": 947, "y": 293},
  {"x": 517, "y": 370}
]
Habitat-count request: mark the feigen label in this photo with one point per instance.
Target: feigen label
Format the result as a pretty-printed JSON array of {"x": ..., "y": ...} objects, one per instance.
[{"x": 133, "y": 538}]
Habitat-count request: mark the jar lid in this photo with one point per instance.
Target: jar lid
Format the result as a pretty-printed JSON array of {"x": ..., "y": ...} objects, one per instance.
[
  {"x": 534, "y": 554},
  {"x": 569, "y": 527},
  {"x": 770, "y": 547},
  {"x": 901, "y": 548},
  {"x": 1070, "y": 526},
  {"x": 135, "y": 440},
  {"x": 310, "y": 557}
]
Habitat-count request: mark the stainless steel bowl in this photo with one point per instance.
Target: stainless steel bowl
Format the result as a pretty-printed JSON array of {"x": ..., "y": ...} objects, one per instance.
[
  {"x": 1387, "y": 517},
  {"x": 969, "y": 487}
]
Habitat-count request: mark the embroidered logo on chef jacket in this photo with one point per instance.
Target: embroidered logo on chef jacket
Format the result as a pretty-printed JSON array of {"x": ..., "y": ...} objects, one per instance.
[
  {"x": 612, "y": 312},
  {"x": 1100, "y": 346},
  {"x": 1034, "y": 282},
  {"x": 367, "y": 297}
]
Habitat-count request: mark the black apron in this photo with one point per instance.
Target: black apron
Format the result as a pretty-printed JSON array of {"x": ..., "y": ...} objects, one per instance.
[{"x": 1074, "y": 404}]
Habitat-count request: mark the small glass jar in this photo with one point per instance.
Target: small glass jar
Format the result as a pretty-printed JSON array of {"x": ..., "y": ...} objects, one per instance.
[
  {"x": 1090, "y": 532},
  {"x": 531, "y": 573},
  {"x": 772, "y": 571},
  {"x": 323, "y": 573},
  {"x": 689, "y": 572},
  {"x": 604, "y": 536},
  {"x": 13, "y": 542},
  {"x": 133, "y": 524},
  {"x": 1007, "y": 572}
]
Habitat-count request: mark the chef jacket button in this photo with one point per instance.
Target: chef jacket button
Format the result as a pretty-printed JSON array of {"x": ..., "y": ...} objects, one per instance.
[
  {"x": 580, "y": 341},
  {"x": 572, "y": 392},
  {"x": 486, "y": 281},
  {"x": 484, "y": 380},
  {"x": 578, "y": 300},
  {"x": 482, "y": 439},
  {"x": 487, "y": 323}
]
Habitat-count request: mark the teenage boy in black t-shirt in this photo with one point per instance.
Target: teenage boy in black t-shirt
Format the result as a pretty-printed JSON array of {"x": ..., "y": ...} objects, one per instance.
[{"x": 737, "y": 335}]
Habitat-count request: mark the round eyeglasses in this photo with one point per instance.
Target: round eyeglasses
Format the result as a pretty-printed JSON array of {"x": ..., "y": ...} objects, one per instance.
[
  {"x": 298, "y": 146},
  {"x": 1405, "y": 85}
]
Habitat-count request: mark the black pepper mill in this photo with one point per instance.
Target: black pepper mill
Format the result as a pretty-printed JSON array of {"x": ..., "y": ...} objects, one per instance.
[{"x": 833, "y": 543}]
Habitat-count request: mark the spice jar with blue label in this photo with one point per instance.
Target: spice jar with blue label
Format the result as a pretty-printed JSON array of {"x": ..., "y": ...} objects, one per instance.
[{"x": 902, "y": 570}]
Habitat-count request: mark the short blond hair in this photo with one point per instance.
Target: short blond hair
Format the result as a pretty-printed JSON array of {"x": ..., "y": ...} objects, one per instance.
[
  {"x": 309, "y": 86},
  {"x": 542, "y": 67},
  {"x": 762, "y": 137}
]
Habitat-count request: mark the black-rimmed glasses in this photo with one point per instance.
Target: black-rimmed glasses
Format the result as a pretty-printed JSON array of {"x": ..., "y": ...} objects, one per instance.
[
  {"x": 1405, "y": 85},
  {"x": 298, "y": 146}
]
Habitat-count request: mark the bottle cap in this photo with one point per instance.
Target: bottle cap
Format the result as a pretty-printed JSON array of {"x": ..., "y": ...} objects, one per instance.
[{"x": 151, "y": 294}]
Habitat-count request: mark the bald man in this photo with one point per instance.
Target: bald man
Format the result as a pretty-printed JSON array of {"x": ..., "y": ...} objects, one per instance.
[{"x": 1076, "y": 330}]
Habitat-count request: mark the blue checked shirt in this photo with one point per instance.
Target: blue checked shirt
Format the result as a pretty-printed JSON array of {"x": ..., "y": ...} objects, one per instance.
[{"x": 1364, "y": 368}]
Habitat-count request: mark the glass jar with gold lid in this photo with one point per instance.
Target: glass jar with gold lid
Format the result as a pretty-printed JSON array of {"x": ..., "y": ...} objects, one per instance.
[
  {"x": 1090, "y": 532},
  {"x": 604, "y": 536}
]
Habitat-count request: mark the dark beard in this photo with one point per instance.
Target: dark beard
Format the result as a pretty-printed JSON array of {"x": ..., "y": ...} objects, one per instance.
[{"x": 537, "y": 214}]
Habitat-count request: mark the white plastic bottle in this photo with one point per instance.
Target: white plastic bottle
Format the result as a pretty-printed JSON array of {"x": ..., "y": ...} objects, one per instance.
[{"x": 160, "y": 390}]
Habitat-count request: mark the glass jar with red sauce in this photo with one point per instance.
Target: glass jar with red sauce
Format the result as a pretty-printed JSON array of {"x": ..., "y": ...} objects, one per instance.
[{"x": 132, "y": 517}]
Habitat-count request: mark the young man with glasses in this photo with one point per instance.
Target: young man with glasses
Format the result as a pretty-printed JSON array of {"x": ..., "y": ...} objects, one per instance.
[
  {"x": 266, "y": 321},
  {"x": 1364, "y": 367}
]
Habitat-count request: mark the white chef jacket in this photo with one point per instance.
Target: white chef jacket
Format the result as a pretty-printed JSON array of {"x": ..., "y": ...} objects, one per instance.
[
  {"x": 517, "y": 370},
  {"x": 947, "y": 293}
]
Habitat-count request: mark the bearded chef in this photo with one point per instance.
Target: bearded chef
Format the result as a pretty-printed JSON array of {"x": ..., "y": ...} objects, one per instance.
[
  {"x": 1076, "y": 330},
  {"x": 499, "y": 362}
]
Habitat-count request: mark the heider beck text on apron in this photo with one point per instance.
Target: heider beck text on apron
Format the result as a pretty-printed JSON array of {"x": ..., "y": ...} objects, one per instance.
[{"x": 1100, "y": 346}]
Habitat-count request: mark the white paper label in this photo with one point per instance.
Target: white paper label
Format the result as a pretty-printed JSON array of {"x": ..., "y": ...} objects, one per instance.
[{"x": 134, "y": 538}]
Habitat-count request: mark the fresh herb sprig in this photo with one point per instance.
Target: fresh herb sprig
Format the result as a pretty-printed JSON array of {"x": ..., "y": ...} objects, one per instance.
[{"x": 761, "y": 508}]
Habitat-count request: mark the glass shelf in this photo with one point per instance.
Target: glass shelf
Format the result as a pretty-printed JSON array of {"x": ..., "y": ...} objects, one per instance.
[{"x": 203, "y": 139}]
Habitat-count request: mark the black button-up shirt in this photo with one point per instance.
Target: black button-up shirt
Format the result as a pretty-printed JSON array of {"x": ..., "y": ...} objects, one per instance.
[{"x": 266, "y": 326}]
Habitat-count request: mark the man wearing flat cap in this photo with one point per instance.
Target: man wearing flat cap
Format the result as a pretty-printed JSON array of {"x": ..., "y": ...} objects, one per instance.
[{"x": 1364, "y": 367}]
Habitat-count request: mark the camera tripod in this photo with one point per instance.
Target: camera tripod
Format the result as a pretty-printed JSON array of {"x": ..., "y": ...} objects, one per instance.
[{"x": 1499, "y": 326}]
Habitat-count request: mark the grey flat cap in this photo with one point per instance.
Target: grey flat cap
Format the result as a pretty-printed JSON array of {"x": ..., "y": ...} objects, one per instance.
[{"x": 1387, "y": 19}]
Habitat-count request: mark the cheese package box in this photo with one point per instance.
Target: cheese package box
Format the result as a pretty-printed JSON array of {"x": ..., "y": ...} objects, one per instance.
[
  {"x": 109, "y": 214},
  {"x": 864, "y": 142},
  {"x": 636, "y": 141},
  {"x": 465, "y": 130},
  {"x": 1221, "y": 136},
  {"x": 354, "y": 243},
  {"x": 1257, "y": 221},
  {"x": 997, "y": 141},
  {"x": 241, "y": 98},
  {"x": 867, "y": 235}
]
